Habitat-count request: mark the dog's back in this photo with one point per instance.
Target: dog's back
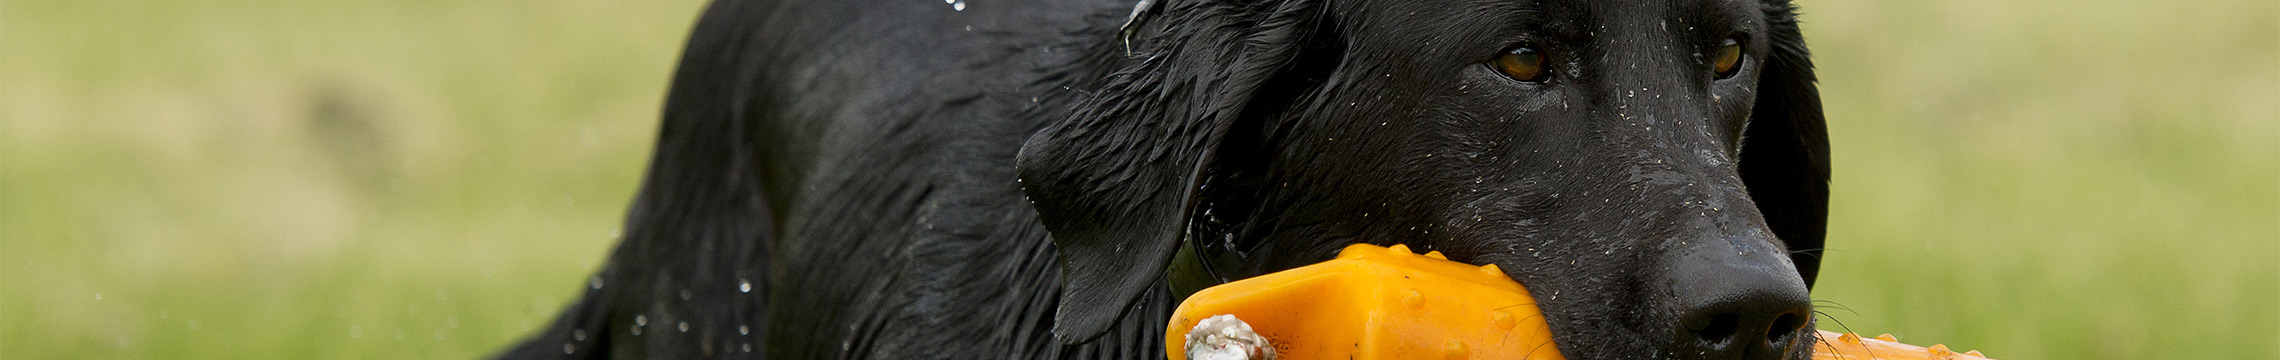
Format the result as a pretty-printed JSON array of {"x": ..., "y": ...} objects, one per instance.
[{"x": 834, "y": 179}]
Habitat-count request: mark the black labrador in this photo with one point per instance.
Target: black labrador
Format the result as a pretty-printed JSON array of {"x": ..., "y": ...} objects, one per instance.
[{"x": 1043, "y": 179}]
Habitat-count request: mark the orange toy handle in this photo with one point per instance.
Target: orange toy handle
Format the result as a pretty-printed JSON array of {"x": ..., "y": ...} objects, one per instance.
[{"x": 1850, "y": 346}]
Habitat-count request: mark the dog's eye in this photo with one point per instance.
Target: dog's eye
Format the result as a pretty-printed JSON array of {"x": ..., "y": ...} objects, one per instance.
[
  {"x": 1727, "y": 59},
  {"x": 1522, "y": 63}
]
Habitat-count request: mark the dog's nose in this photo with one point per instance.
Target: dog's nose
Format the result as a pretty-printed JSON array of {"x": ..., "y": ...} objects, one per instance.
[{"x": 1738, "y": 304}]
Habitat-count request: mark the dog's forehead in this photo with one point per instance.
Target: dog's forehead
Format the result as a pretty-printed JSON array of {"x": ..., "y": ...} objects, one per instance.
[
  {"x": 1451, "y": 32},
  {"x": 1413, "y": 39},
  {"x": 1559, "y": 17}
]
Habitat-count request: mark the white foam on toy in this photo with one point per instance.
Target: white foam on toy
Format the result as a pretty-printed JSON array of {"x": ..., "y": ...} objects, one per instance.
[{"x": 1224, "y": 337}]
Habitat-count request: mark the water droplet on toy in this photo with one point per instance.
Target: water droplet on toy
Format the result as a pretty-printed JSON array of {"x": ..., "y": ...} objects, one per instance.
[{"x": 1939, "y": 350}]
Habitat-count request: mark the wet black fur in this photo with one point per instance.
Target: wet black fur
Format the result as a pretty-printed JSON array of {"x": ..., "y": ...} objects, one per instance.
[{"x": 896, "y": 179}]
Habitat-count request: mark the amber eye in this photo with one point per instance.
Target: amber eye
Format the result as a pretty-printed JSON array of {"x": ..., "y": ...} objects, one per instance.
[
  {"x": 1522, "y": 63},
  {"x": 1727, "y": 59}
]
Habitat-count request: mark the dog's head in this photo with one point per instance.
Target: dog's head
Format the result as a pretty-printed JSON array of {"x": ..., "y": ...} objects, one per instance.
[{"x": 1655, "y": 172}]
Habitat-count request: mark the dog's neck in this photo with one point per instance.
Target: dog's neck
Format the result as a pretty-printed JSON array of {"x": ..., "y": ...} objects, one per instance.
[{"x": 983, "y": 251}]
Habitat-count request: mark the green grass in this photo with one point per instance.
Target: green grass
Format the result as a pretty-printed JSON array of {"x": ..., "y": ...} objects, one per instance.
[
  {"x": 2053, "y": 179},
  {"x": 314, "y": 179},
  {"x": 433, "y": 178}
]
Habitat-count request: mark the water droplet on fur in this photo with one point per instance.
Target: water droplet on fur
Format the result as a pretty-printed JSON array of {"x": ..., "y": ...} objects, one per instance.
[
  {"x": 684, "y": 326},
  {"x": 957, "y": 5},
  {"x": 744, "y": 286}
]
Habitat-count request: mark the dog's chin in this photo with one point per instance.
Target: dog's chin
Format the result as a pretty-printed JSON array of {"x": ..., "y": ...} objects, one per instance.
[
  {"x": 1625, "y": 350},
  {"x": 1621, "y": 343}
]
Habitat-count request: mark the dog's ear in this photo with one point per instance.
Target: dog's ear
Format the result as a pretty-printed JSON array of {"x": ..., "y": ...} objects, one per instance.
[
  {"x": 1785, "y": 152},
  {"x": 1115, "y": 181}
]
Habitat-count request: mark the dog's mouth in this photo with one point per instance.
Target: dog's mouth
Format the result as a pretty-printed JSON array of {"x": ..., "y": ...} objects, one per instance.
[{"x": 1408, "y": 303}]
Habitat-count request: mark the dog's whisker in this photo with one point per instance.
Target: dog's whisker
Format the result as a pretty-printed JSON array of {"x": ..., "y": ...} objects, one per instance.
[
  {"x": 1832, "y": 304},
  {"x": 1816, "y": 254}
]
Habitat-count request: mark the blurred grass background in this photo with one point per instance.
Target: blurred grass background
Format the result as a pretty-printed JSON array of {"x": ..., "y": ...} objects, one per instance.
[{"x": 2037, "y": 179}]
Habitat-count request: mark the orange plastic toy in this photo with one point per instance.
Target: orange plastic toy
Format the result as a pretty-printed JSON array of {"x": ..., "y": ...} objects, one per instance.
[{"x": 1377, "y": 303}]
